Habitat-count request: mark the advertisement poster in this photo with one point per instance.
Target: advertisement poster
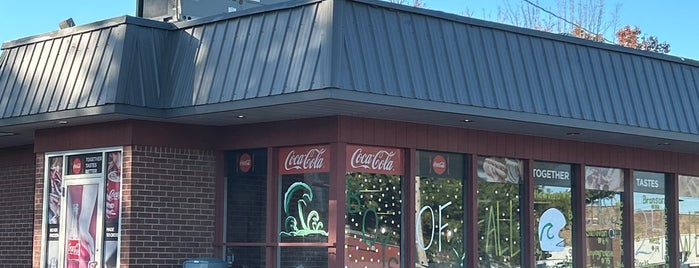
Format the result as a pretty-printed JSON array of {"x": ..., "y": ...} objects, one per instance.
[
  {"x": 55, "y": 197},
  {"x": 440, "y": 165},
  {"x": 605, "y": 179},
  {"x": 81, "y": 225},
  {"x": 499, "y": 169},
  {"x": 112, "y": 209},
  {"x": 85, "y": 164}
]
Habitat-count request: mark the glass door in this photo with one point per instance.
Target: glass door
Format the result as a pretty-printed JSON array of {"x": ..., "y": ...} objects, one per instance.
[{"x": 81, "y": 227}]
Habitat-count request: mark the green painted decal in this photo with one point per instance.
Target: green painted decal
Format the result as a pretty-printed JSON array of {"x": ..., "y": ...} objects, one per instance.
[{"x": 310, "y": 224}]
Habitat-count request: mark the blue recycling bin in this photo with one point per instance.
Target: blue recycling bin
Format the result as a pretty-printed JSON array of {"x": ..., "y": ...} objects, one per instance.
[{"x": 205, "y": 263}]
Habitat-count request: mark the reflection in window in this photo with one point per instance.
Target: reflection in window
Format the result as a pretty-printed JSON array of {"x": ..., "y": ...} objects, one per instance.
[
  {"x": 603, "y": 223},
  {"x": 553, "y": 214},
  {"x": 649, "y": 220},
  {"x": 373, "y": 220},
  {"x": 499, "y": 212},
  {"x": 439, "y": 210},
  {"x": 689, "y": 220}
]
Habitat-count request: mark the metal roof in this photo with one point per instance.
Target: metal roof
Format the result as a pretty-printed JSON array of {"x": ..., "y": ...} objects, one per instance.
[{"x": 347, "y": 57}]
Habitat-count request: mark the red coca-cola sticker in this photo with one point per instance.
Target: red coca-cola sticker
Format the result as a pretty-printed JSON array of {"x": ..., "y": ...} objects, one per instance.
[
  {"x": 77, "y": 166},
  {"x": 309, "y": 159},
  {"x": 374, "y": 160},
  {"x": 439, "y": 164},
  {"x": 244, "y": 163}
]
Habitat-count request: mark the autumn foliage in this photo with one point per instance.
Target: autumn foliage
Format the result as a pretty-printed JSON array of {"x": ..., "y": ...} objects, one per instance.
[{"x": 629, "y": 37}]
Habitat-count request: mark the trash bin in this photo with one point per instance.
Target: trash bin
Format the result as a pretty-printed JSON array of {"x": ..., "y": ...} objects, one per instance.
[{"x": 205, "y": 263}]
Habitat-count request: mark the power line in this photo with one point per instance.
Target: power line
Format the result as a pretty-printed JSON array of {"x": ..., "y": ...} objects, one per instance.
[{"x": 563, "y": 19}]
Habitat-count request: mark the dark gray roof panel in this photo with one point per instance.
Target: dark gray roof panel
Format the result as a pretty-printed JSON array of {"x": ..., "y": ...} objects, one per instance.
[
  {"x": 251, "y": 56},
  {"x": 63, "y": 73},
  {"x": 398, "y": 52}
]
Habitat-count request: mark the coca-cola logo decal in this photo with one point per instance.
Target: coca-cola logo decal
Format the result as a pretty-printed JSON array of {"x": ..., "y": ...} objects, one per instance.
[
  {"x": 77, "y": 166},
  {"x": 374, "y": 160},
  {"x": 439, "y": 164},
  {"x": 245, "y": 163},
  {"x": 304, "y": 159}
]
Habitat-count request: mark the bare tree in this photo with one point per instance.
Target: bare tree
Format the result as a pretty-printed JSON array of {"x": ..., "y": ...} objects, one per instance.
[
  {"x": 583, "y": 18},
  {"x": 415, "y": 3}
]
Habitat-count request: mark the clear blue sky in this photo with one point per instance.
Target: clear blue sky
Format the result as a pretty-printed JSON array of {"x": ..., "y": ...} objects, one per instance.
[{"x": 672, "y": 21}]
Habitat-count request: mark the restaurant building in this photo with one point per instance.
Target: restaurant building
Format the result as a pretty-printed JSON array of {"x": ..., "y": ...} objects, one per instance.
[{"x": 344, "y": 133}]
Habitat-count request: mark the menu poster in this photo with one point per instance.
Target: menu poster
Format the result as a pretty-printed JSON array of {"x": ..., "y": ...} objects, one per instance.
[
  {"x": 649, "y": 182},
  {"x": 85, "y": 164},
  {"x": 552, "y": 174},
  {"x": 376, "y": 160},
  {"x": 440, "y": 165}
]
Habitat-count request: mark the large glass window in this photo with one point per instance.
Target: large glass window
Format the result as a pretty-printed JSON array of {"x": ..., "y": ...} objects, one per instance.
[
  {"x": 603, "y": 195},
  {"x": 553, "y": 214},
  {"x": 374, "y": 207},
  {"x": 246, "y": 207},
  {"x": 439, "y": 210},
  {"x": 303, "y": 201},
  {"x": 650, "y": 240},
  {"x": 499, "y": 217},
  {"x": 689, "y": 220}
]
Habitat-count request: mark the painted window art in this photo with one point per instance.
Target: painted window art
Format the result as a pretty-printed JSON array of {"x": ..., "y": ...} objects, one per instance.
[
  {"x": 554, "y": 216},
  {"x": 499, "y": 217},
  {"x": 374, "y": 205},
  {"x": 439, "y": 214}
]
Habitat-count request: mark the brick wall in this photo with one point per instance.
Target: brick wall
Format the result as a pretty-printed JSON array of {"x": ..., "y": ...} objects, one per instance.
[
  {"x": 168, "y": 205},
  {"x": 16, "y": 211}
]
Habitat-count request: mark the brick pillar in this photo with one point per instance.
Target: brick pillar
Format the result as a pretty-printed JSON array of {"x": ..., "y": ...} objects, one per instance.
[
  {"x": 168, "y": 205},
  {"x": 16, "y": 207}
]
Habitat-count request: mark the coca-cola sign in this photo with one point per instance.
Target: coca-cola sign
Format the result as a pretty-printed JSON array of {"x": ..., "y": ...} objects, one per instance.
[
  {"x": 307, "y": 159},
  {"x": 374, "y": 160},
  {"x": 439, "y": 164},
  {"x": 245, "y": 163}
]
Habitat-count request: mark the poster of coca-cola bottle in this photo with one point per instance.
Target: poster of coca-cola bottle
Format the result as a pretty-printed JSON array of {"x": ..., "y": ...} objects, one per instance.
[
  {"x": 112, "y": 208},
  {"x": 81, "y": 224}
]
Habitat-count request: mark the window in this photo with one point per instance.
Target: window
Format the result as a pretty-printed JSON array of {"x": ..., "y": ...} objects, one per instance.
[
  {"x": 689, "y": 220},
  {"x": 650, "y": 220},
  {"x": 439, "y": 211},
  {"x": 553, "y": 214},
  {"x": 499, "y": 241},
  {"x": 246, "y": 207},
  {"x": 303, "y": 217},
  {"x": 374, "y": 207},
  {"x": 603, "y": 197}
]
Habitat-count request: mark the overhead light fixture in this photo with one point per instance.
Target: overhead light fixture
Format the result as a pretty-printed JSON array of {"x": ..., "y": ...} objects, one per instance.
[
  {"x": 62, "y": 122},
  {"x": 6, "y": 134},
  {"x": 467, "y": 121},
  {"x": 240, "y": 116},
  {"x": 663, "y": 143},
  {"x": 573, "y": 134}
]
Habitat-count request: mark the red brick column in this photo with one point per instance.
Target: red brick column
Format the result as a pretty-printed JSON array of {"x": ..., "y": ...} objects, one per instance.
[
  {"x": 168, "y": 205},
  {"x": 16, "y": 208}
]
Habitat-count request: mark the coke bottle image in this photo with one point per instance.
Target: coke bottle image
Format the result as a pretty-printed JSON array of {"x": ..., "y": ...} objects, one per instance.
[{"x": 74, "y": 248}]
